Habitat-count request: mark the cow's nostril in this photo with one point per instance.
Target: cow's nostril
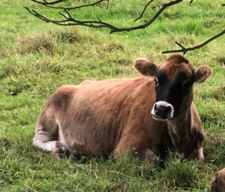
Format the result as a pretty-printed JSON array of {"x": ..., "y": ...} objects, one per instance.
[
  {"x": 162, "y": 108},
  {"x": 168, "y": 109},
  {"x": 156, "y": 107}
]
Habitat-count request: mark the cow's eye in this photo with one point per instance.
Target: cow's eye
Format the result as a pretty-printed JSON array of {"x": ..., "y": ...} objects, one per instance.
[
  {"x": 186, "y": 84},
  {"x": 156, "y": 82}
]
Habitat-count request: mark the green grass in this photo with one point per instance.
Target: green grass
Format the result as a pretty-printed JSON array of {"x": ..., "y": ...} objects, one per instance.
[{"x": 36, "y": 58}]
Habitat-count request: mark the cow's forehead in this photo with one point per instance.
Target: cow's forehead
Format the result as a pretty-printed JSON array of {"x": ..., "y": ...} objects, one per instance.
[{"x": 175, "y": 65}]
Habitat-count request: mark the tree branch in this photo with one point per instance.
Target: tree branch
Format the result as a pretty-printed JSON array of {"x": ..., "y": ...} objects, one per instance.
[
  {"x": 99, "y": 24},
  {"x": 46, "y": 4},
  {"x": 69, "y": 21},
  {"x": 185, "y": 50},
  {"x": 142, "y": 13}
]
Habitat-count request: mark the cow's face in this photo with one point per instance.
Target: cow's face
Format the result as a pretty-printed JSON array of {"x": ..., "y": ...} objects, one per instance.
[{"x": 174, "y": 81}]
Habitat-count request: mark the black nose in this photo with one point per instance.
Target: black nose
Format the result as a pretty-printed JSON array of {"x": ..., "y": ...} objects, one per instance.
[{"x": 162, "y": 110}]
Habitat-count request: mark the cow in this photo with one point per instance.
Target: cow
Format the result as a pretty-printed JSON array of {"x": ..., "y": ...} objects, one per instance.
[
  {"x": 218, "y": 182},
  {"x": 143, "y": 117}
]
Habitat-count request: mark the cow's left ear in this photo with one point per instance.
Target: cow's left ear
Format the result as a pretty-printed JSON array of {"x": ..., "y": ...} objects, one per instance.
[
  {"x": 202, "y": 73},
  {"x": 145, "y": 67}
]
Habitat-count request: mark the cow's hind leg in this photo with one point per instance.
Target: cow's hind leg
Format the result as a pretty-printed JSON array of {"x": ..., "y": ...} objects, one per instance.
[{"x": 48, "y": 135}]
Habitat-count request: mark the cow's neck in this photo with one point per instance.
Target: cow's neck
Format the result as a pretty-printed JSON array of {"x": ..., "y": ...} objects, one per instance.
[{"x": 179, "y": 130}]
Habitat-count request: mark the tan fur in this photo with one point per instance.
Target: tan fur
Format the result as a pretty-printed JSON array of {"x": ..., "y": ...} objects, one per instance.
[
  {"x": 218, "y": 182},
  {"x": 113, "y": 117}
]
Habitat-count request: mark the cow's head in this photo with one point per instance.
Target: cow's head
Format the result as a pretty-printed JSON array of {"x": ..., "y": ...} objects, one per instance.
[{"x": 174, "y": 81}]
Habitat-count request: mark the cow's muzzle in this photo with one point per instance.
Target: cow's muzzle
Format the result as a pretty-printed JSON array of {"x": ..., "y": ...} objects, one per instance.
[{"x": 162, "y": 111}]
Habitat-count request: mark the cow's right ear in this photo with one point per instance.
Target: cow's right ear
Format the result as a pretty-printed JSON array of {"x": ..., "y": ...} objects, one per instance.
[
  {"x": 145, "y": 67},
  {"x": 202, "y": 73}
]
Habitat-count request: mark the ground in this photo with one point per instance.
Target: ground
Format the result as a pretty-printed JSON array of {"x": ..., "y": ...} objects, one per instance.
[{"x": 36, "y": 58}]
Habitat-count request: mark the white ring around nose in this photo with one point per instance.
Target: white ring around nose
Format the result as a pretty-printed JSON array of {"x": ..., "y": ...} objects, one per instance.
[{"x": 165, "y": 104}]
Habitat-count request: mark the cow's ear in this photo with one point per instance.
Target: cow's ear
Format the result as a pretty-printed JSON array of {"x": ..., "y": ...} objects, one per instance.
[
  {"x": 145, "y": 67},
  {"x": 202, "y": 73}
]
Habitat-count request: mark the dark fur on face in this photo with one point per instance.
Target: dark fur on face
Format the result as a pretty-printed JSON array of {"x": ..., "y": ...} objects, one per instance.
[{"x": 178, "y": 91}]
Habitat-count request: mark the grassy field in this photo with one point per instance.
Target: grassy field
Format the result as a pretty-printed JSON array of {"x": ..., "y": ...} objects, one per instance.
[{"x": 36, "y": 58}]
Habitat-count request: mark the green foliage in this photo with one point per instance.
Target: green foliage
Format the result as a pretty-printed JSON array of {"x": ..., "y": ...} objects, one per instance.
[{"x": 36, "y": 58}]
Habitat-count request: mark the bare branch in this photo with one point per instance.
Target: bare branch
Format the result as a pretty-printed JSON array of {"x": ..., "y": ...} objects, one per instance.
[
  {"x": 185, "y": 50},
  {"x": 191, "y": 1},
  {"x": 144, "y": 10},
  {"x": 223, "y": 4},
  {"x": 69, "y": 21},
  {"x": 100, "y": 24},
  {"x": 46, "y": 4}
]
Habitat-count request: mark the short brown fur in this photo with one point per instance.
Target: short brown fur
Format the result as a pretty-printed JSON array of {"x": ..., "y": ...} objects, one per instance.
[
  {"x": 218, "y": 182},
  {"x": 175, "y": 64},
  {"x": 113, "y": 117}
]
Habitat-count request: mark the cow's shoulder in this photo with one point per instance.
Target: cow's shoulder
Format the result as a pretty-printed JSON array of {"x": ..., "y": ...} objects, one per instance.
[
  {"x": 196, "y": 121},
  {"x": 196, "y": 124}
]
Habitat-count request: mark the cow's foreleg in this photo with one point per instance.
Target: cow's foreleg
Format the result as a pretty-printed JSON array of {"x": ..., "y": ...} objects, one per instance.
[
  {"x": 134, "y": 150},
  {"x": 198, "y": 155}
]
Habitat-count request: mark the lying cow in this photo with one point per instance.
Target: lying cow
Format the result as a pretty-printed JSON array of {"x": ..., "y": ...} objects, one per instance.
[{"x": 136, "y": 116}]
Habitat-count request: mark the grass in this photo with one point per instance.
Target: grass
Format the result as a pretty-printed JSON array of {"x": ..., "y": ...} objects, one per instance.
[{"x": 36, "y": 58}]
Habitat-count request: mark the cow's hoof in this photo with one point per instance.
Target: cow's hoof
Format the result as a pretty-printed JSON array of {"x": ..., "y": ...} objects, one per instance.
[{"x": 58, "y": 147}]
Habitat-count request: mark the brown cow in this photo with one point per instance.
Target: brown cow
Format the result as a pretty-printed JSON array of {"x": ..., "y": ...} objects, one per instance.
[
  {"x": 218, "y": 182},
  {"x": 112, "y": 117}
]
